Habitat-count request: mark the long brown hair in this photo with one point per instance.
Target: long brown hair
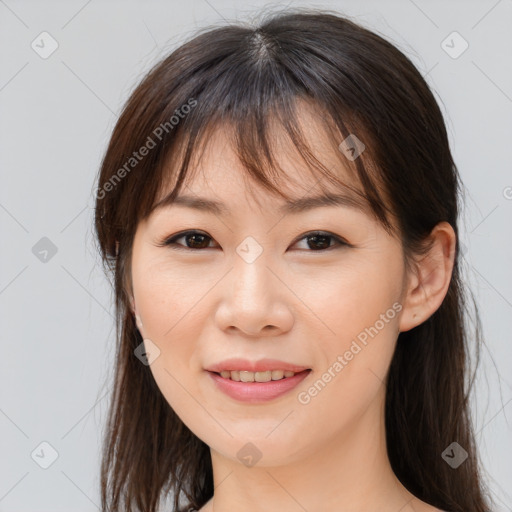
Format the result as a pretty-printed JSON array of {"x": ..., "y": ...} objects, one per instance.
[{"x": 243, "y": 77}]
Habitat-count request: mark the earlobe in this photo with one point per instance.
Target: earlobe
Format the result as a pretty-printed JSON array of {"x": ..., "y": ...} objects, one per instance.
[
  {"x": 138, "y": 320},
  {"x": 410, "y": 305},
  {"x": 429, "y": 285}
]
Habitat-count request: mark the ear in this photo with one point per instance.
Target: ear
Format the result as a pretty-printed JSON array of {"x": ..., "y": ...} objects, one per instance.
[{"x": 428, "y": 282}]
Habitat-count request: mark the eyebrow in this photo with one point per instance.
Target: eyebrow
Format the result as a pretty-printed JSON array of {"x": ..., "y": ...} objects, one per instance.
[{"x": 292, "y": 206}]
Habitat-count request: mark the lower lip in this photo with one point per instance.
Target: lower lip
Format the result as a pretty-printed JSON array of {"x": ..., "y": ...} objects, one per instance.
[{"x": 258, "y": 391}]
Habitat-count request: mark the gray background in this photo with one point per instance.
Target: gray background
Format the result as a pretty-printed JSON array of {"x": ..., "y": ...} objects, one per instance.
[{"x": 56, "y": 116}]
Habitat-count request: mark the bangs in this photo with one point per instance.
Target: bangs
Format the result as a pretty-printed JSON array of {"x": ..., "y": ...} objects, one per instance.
[{"x": 259, "y": 134}]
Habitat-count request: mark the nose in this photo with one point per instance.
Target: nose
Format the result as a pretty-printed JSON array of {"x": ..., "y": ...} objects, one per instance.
[{"x": 255, "y": 302}]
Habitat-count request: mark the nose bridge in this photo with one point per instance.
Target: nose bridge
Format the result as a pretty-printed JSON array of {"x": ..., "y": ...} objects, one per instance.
[
  {"x": 251, "y": 276},
  {"x": 253, "y": 298}
]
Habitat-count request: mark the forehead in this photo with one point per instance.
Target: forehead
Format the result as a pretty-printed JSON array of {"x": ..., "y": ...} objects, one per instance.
[{"x": 217, "y": 181}]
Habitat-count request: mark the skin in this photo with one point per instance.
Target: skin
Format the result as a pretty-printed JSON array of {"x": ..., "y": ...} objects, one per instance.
[{"x": 201, "y": 306}]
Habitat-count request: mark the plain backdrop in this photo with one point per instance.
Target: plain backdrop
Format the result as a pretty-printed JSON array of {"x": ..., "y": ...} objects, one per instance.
[{"x": 66, "y": 70}]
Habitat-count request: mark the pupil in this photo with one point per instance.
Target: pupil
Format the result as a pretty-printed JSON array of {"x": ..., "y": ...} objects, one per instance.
[
  {"x": 321, "y": 237},
  {"x": 194, "y": 238}
]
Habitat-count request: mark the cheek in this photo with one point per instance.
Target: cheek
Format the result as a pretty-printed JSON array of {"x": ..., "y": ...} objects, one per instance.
[
  {"x": 167, "y": 299},
  {"x": 358, "y": 310},
  {"x": 170, "y": 308},
  {"x": 348, "y": 298}
]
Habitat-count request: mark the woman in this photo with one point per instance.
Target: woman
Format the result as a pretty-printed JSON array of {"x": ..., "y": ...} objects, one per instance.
[{"x": 278, "y": 208}]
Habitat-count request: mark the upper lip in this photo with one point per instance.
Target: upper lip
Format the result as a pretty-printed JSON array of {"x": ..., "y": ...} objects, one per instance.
[{"x": 263, "y": 365}]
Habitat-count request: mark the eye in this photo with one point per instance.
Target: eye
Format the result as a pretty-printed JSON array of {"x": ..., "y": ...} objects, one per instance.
[
  {"x": 197, "y": 240},
  {"x": 320, "y": 240}
]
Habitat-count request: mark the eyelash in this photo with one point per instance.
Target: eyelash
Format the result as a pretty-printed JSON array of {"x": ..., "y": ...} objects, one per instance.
[{"x": 171, "y": 241}]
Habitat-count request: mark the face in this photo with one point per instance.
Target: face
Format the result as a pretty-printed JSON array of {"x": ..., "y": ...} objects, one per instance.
[{"x": 256, "y": 283}]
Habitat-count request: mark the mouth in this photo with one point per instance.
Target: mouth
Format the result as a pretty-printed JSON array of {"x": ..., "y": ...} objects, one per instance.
[
  {"x": 257, "y": 387},
  {"x": 266, "y": 376}
]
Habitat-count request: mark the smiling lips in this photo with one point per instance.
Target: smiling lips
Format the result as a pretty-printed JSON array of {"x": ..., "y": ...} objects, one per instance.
[
  {"x": 257, "y": 392},
  {"x": 244, "y": 376},
  {"x": 256, "y": 381}
]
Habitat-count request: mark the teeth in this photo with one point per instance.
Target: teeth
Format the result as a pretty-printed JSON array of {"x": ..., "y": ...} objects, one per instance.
[{"x": 267, "y": 376}]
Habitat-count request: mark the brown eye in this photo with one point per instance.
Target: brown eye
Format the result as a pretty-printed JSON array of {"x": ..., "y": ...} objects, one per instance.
[
  {"x": 193, "y": 240},
  {"x": 321, "y": 241},
  {"x": 317, "y": 241}
]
